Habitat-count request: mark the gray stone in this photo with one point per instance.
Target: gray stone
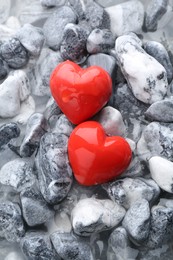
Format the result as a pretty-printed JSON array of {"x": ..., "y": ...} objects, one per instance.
[
  {"x": 5, "y": 6},
  {"x": 100, "y": 41},
  {"x": 13, "y": 52},
  {"x": 17, "y": 174},
  {"x": 54, "y": 172},
  {"x": 92, "y": 216},
  {"x": 7, "y": 132},
  {"x": 137, "y": 221},
  {"x": 63, "y": 126},
  {"x": 34, "y": 208},
  {"x": 128, "y": 191},
  {"x": 54, "y": 26},
  {"x": 11, "y": 222},
  {"x": 154, "y": 12},
  {"x": 37, "y": 246},
  {"x": 32, "y": 38},
  {"x": 50, "y": 3},
  {"x": 3, "y": 69},
  {"x": 73, "y": 46},
  {"x": 52, "y": 110},
  {"x": 35, "y": 129},
  {"x": 71, "y": 247}
]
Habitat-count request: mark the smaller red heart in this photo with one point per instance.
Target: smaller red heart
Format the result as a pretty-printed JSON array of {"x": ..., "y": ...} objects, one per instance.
[
  {"x": 80, "y": 93},
  {"x": 94, "y": 157}
]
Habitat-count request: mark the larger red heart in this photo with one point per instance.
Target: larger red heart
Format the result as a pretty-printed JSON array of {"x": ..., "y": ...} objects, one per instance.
[
  {"x": 80, "y": 93},
  {"x": 94, "y": 157}
]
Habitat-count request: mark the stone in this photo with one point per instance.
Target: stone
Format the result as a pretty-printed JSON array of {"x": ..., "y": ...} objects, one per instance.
[
  {"x": 3, "y": 69},
  {"x": 14, "y": 256},
  {"x": 126, "y": 17},
  {"x": 100, "y": 41},
  {"x": 36, "y": 245},
  {"x": 73, "y": 45},
  {"x": 36, "y": 127},
  {"x": 13, "y": 23},
  {"x": 146, "y": 77},
  {"x": 154, "y": 12},
  {"x": 91, "y": 215},
  {"x": 7, "y": 132},
  {"x": 119, "y": 246},
  {"x": 5, "y": 6},
  {"x": 13, "y": 52},
  {"x": 158, "y": 51},
  {"x": 32, "y": 38},
  {"x": 63, "y": 126},
  {"x": 128, "y": 191},
  {"x": 71, "y": 247},
  {"x": 51, "y": 3},
  {"x": 52, "y": 110},
  {"x": 112, "y": 121},
  {"x": 161, "y": 171},
  {"x": 34, "y": 208},
  {"x": 11, "y": 222},
  {"x": 161, "y": 111},
  {"x": 17, "y": 174},
  {"x": 55, "y": 24},
  {"x": 137, "y": 221},
  {"x": 54, "y": 172}
]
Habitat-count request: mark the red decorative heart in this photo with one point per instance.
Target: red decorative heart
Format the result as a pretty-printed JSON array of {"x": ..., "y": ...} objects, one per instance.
[
  {"x": 94, "y": 157},
  {"x": 80, "y": 93}
]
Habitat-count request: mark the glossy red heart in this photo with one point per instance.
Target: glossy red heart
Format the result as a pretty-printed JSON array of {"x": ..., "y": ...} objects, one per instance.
[
  {"x": 80, "y": 93},
  {"x": 94, "y": 157}
]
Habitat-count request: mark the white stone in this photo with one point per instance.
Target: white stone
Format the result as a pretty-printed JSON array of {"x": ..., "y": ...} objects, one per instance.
[
  {"x": 5, "y": 6},
  {"x": 126, "y": 17},
  {"x": 146, "y": 77},
  {"x": 6, "y": 32},
  {"x": 13, "y": 23},
  {"x": 161, "y": 171},
  {"x": 14, "y": 256},
  {"x": 132, "y": 144}
]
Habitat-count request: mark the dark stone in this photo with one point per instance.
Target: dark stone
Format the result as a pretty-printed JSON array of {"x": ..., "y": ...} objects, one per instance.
[
  {"x": 52, "y": 110},
  {"x": 7, "y": 132},
  {"x": 13, "y": 52},
  {"x": 3, "y": 69},
  {"x": 63, "y": 126}
]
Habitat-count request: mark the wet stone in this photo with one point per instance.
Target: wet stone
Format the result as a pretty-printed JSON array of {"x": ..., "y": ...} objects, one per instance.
[
  {"x": 3, "y": 69},
  {"x": 154, "y": 12},
  {"x": 71, "y": 247},
  {"x": 11, "y": 222},
  {"x": 35, "y": 129},
  {"x": 137, "y": 221},
  {"x": 54, "y": 172},
  {"x": 13, "y": 52},
  {"x": 63, "y": 126},
  {"x": 7, "y": 132},
  {"x": 55, "y": 24},
  {"x": 34, "y": 208},
  {"x": 17, "y": 174},
  {"x": 37, "y": 246},
  {"x": 32, "y": 38},
  {"x": 92, "y": 216}
]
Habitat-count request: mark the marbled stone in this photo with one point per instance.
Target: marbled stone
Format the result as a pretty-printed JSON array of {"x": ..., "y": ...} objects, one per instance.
[
  {"x": 50, "y": 3},
  {"x": 100, "y": 41},
  {"x": 52, "y": 110},
  {"x": 17, "y": 174},
  {"x": 92, "y": 216},
  {"x": 137, "y": 221},
  {"x": 54, "y": 26},
  {"x": 146, "y": 77},
  {"x": 11, "y": 222},
  {"x": 126, "y": 17},
  {"x": 36, "y": 127},
  {"x": 13, "y": 52},
  {"x": 154, "y": 12},
  {"x": 63, "y": 126},
  {"x": 54, "y": 172},
  {"x": 3, "y": 69},
  {"x": 32, "y": 38},
  {"x": 7, "y": 132},
  {"x": 71, "y": 247}
]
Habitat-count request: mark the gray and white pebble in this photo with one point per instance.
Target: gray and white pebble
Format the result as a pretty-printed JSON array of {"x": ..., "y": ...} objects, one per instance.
[
  {"x": 63, "y": 126},
  {"x": 71, "y": 247},
  {"x": 92, "y": 216},
  {"x": 54, "y": 172},
  {"x": 128, "y": 191},
  {"x": 52, "y": 110},
  {"x": 158, "y": 51},
  {"x": 146, "y": 77},
  {"x": 34, "y": 207},
  {"x": 17, "y": 174},
  {"x": 3, "y": 69},
  {"x": 137, "y": 221},
  {"x": 32, "y": 38},
  {"x": 126, "y": 17},
  {"x": 36, "y": 127},
  {"x": 100, "y": 41},
  {"x": 13, "y": 52},
  {"x": 55, "y": 24},
  {"x": 51, "y": 3},
  {"x": 11, "y": 222},
  {"x": 119, "y": 246},
  {"x": 7, "y": 132},
  {"x": 14, "y": 256},
  {"x": 73, "y": 45},
  {"x": 154, "y": 12},
  {"x": 36, "y": 245}
]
